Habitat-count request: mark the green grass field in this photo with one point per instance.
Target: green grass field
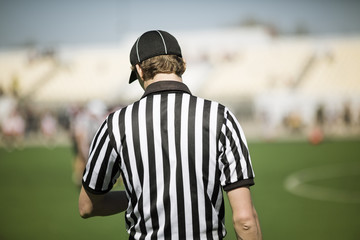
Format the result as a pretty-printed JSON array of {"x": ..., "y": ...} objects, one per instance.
[{"x": 39, "y": 201}]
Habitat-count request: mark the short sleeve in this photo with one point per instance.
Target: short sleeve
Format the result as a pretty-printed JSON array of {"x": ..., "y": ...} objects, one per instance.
[
  {"x": 102, "y": 168},
  {"x": 234, "y": 159}
]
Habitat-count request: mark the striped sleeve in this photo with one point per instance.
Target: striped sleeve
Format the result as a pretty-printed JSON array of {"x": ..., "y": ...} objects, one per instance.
[
  {"x": 102, "y": 168},
  {"x": 235, "y": 162}
]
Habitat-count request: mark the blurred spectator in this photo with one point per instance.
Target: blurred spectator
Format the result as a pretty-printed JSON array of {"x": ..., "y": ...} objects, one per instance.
[
  {"x": 15, "y": 85},
  {"x": 11, "y": 125},
  {"x": 7, "y": 105},
  {"x": 64, "y": 116},
  {"x": 32, "y": 121},
  {"x": 347, "y": 115},
  {"x": 317, "y": 131},
  {"x": 13, "y": 128},
  {"x": 293, "y": 122},
  {"x": 320, "y": 117},
  {"x": 49, "y": 127}
]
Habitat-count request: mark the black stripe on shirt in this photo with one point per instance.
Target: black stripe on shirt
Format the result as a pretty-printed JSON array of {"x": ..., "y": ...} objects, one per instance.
[
  {"x": 103, "y": 167},
  {"x": 224, "y": 160},
  {"x": 205, "y": 167},
  {"x": 125, "y": 153},
  {"x": 236, "y": 154},
  {"x": 192, "y": 168},
  {"x": 139, "y": 163},
  {"x": 95, "y": 156},
  {"x": 244, "y": 149},
  {"x": 179, "y": 173},
  {"x": 152, "y": 166},
  {"x": 166, "y": 163}
]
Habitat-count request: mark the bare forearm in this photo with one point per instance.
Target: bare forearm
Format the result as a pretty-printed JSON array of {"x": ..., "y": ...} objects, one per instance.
[
  {"x": 245, "y": 218},
  {"x": 258, "y": 226},
  {"x": 113, "y": 203},
  {"x": 102, "y": 205}
]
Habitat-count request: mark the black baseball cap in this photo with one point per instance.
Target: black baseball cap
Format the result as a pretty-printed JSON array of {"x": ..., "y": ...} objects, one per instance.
[{"x": 150, "y": 44}]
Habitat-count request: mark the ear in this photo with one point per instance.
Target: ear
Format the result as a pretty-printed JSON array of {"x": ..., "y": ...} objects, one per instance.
[
  {"x": 184, "y": 62},
  {"x": 139, "y": 70},
  {"x": 140, "y": 75}
]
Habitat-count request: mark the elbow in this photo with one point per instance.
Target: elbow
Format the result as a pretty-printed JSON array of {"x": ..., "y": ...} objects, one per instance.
[
  {"x": 85, "y": 210},
  {"x": 84, "y": 215},
  {"x": 86, "y": 206},
  {"x": 245, "y": 223}
]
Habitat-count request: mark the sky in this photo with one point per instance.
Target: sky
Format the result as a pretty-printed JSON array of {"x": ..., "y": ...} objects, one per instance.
[{"x": 53, "y": 22}]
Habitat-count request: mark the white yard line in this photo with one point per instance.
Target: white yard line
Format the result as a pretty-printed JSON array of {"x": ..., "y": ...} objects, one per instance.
[{"x": 299, "y": 183}]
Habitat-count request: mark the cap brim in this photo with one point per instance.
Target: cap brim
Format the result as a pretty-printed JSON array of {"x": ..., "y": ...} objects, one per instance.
[{"x": 133, "y": 77}]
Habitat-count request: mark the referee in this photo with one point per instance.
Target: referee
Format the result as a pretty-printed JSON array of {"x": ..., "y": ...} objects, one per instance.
[{"x": 176, "y": 154}]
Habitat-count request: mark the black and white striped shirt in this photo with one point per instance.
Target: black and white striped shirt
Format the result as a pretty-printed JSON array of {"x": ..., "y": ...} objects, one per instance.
[{"x": 175, "y": 153}]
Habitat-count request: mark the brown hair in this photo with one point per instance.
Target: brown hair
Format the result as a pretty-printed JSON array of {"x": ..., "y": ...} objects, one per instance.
[{"x": 162, "y": 64}]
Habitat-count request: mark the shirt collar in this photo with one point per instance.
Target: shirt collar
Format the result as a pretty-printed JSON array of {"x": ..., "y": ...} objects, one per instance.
[{"x": 166, "y": 86}]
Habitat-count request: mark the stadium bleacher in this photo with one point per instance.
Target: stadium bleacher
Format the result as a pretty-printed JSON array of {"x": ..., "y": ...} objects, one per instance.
[{"x": 252, "y": 73}]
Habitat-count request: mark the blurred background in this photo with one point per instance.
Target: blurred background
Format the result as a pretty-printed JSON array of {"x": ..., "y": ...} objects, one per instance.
[
  {"x": 289, "y": 70},
  {"x": 281, "y": 66}
]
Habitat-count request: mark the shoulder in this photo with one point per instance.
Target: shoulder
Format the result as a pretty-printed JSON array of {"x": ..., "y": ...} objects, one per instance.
[
  {"x": 209, "y": 101},
  {"x": 119, "y": 110}
]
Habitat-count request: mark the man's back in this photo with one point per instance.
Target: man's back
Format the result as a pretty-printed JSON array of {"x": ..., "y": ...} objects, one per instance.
[
  {"x": 175, "y": 152},
  {"x": 170, "y": 148}
]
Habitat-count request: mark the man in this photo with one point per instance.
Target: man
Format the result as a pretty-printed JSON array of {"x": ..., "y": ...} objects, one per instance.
[{"x": 175, "y": 152}]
